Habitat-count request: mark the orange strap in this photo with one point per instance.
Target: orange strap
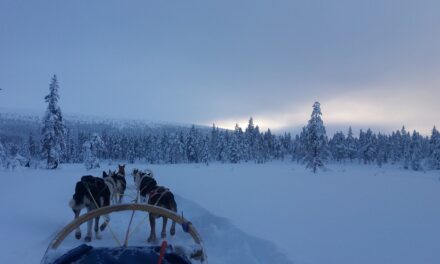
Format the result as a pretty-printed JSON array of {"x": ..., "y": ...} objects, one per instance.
[{"x": 163, "y": 247}]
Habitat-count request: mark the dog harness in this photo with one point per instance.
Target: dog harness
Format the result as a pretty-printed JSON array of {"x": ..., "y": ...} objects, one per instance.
[{"x": 156, "y": 192}]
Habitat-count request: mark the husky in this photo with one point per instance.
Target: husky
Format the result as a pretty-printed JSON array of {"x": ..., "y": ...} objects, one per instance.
[
  {"x": 121, "y": 183},
  {"x": 92, "y": 193},
  {"x": 157, "y": 196},
  {"x": 144, "y": 182}
]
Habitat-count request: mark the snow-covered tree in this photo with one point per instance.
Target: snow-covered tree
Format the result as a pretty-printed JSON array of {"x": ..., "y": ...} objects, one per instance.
[
  {"x": 53, "y": 131},
  {"x": 192, "y": 142},
  {"x": 415, "y": 151},
  {"x": 234, "y": 145},
  {"x": 316, "y": 149},
  {"x": 214, "y": 143},
  {"x": 250, "y": 138},
  {"x": 204, "y": 156},
  {"x": 381, "y": 149},
  {"x": 405, "y": 147},
  {"x": 367, "y": 146},
  {"x": 91, "y": 150},
  {"x": 3, "y": 156},
  {"x": 351, "y": 145},
  {"x": 338, "y": 146},
  {"x": 434, "y": 157},
  {"x": 299, "y": 151}
]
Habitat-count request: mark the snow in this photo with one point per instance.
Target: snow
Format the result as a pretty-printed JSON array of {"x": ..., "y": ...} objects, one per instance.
[{"x": 277, "y": 212}]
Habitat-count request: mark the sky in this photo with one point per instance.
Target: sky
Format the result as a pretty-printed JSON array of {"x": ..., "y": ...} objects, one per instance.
[{"x": 369, "y": 63}]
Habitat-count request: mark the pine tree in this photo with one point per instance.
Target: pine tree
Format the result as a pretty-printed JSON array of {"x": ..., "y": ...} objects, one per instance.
[
  {"x": 367, "y": 146},
  {"x": 434, "y": 158},
  {"x": 32, "y": 148},
  {"x": 234, "y": 146},
  {"x": 259, "y": 154},
  {"x": 53, "y": 130},
  {"x": 299, "y": 151},
  {"x": 338, "y": 146},
  {"x": 91, "y": 150},
  {"x": 214, "y": 143},
  {"x": 192, "y": 145},
  {"x": 351, "y": 145},
  {"x": 405, "y": 147},
  {"x": 250, "y": 138},
  {"x": 3, "y": 156},
  {"x": 223, "y": 143},
  {"x": 381, "y": 150},
  {"x": 415, "y": 151},
  {"x": 316, "y": 149},
  {"x": 205, "y": 151}
]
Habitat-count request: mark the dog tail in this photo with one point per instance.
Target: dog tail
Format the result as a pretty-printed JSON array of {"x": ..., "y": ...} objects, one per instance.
[{"x": 78, "y": 196}]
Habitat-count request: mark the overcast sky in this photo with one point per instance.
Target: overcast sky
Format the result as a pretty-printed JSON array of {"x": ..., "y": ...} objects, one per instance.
[{"x": 369, "y": 63}]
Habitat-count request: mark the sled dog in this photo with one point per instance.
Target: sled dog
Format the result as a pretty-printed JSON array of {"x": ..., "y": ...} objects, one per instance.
[
  {"x": 92, "y": 193},
  {"x": 121, "y": 184},
  {"x": 157, "y": 196}
]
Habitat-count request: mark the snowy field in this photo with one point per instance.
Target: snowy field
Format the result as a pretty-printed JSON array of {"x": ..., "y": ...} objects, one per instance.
[{"x": 271, "y": 213}]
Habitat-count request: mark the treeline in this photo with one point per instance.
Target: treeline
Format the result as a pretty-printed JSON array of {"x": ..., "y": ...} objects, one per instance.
[{"x": 199, "y": 145}]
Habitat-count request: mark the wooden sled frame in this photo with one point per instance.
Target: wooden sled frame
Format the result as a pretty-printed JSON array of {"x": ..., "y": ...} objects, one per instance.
[{"x": 62, "y": 234}]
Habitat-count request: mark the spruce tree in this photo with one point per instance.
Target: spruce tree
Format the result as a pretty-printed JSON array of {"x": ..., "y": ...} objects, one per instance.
[
  {"x": 381, "y": 149},
  {"x": 405, "y": 147},
  {"x": 205, "y": 150},
  {"x": 367, "y": 146},
  {"x": 338, "y": 147},
  {"x": 3, "y": 156},
  {"x": 434, "y": 158},
  {"x": 415, "y": 151},
  {"x": 192, "y": 142},
  {"x": 351, "y": 145},
  {"x": 32, "y": 148},
  {"x": 250, "y": 138},
  {"x": 91, "y": 149},
  {"x": 316, "y": 149},
  {"x": 53, "y": 131},
  {"x": 234, "y": 146}
]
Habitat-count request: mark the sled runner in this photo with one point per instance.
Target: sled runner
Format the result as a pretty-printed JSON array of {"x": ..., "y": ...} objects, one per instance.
[{"x": 124, "y": 254}]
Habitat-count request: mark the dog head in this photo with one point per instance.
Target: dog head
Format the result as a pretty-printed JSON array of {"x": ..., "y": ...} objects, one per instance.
[
  {"x": 148, "y": 173},
  {"x": 121, "y": 169},
  {"x": 138, "y": 175}
]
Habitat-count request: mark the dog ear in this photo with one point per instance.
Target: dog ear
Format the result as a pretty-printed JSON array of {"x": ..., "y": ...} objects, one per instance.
[{"x": 104, "y": 174}]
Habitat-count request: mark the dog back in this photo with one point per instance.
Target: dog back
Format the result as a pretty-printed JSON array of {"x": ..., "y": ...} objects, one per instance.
[
  {"x": 163, "y": 197},
  {"x": 94, "y": 188},
  {"x": 147, "y": 184}
]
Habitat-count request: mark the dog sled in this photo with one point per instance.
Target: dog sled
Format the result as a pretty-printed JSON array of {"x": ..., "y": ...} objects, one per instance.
[{"x": 163, "y": 253}]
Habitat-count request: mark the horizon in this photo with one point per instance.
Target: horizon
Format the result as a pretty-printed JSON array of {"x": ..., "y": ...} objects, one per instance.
[{"x": 293, "y": 130}]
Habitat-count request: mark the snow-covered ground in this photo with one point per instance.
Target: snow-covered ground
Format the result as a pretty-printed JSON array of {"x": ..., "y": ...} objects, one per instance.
[{"x": 247, "y": 213}]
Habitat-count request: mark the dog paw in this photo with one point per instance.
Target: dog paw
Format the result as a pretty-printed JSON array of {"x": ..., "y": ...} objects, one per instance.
[
  {"x": 152, "y": 239},
  {"x": 98, "y": 236},
  {"x": 163, "y": 235},
  {"x": 78, "y": 235},
  {"x": 87, "y": 239}
]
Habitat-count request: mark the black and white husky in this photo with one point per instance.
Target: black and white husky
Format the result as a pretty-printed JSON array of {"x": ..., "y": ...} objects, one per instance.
[
  {"x": 121, "y": 183},
  {"x": 92, "y": 193},
  {"x": 158, "y": 196}
]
